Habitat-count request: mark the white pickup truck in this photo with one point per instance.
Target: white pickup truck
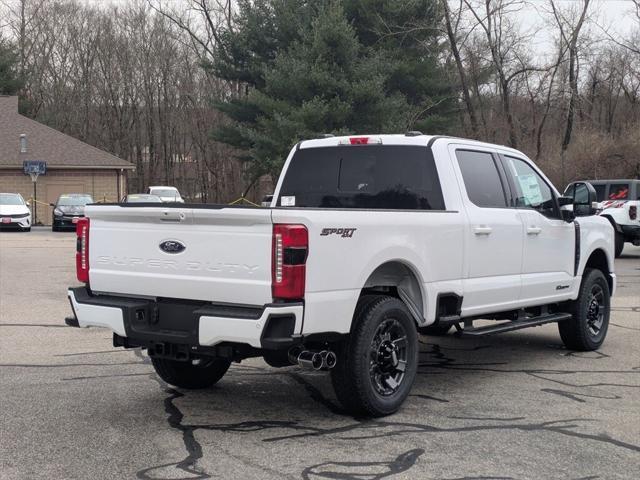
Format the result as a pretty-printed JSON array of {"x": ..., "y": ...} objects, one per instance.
[{"x": 368, "y": 242}]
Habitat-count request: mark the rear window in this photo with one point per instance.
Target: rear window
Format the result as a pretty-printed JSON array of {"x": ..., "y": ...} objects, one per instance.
[{"x": 386, "y": 177}]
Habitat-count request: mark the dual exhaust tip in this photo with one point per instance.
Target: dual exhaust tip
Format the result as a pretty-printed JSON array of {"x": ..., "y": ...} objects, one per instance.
[{"x": 323, "y": 360}]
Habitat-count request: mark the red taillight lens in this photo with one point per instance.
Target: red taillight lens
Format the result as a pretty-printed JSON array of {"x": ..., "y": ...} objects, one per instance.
[
  {"x": 82, "y": 250},
  {"x": 633, "y": 212},
  {"x": 288, "y": 266}
]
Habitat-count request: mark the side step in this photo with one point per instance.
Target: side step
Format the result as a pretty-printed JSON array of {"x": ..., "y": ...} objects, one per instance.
[{"x": 515, "y": 325}]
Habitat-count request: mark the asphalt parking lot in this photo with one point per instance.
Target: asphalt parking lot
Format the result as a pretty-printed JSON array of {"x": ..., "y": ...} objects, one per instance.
[{"x": 516, "y": 406}]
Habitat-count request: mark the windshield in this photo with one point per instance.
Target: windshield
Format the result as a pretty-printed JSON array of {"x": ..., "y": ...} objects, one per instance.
[
  {"x": 11, "y": 199},
  {"x": 74, "y": 200},
  {"x": 165, "y": 192},
  {"x": 141, "y": 198},
  {"x": 370, "y": 177}
]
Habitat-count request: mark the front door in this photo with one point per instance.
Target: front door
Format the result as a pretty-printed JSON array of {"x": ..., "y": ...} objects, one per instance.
[
  {"x": 549, "y": 242},
  {"x": 493, "y": 239}
]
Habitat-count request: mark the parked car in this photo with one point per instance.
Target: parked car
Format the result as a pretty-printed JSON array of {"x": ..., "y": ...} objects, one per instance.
[
  {"x": 141, "y": 198},
  {"x": 370, "y": 241},
  {"x": 619, "y": 203},
  {"x": 266, "y": 200},
  {"x": 68, "y": 209},
  {"x": 14, "y": 212},
  {"x": 166, "y": 194}
]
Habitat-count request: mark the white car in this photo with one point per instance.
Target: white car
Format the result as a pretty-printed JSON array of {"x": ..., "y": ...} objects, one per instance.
[
  {"x": 166, "y": 194},
  {"x": 619, "y": 202},
  {"x": 368, "y": 241},
  {"x": 14, "y": 212}
]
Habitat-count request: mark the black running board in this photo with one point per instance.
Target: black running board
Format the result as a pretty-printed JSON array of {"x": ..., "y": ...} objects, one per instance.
[{"x": 515, "y": 325}]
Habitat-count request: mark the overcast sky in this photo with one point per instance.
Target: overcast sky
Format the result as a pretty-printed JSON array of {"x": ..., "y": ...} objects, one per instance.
[{"x": 616, "y": 16}]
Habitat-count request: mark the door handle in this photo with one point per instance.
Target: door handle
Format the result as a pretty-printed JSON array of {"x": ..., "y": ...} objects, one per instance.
[
  {"x": 533, "y": 230},
  {"x": 482, "y": 230}
]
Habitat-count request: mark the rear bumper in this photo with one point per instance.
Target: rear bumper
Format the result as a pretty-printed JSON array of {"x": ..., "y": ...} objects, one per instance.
[{"x": 148, "y": 321}]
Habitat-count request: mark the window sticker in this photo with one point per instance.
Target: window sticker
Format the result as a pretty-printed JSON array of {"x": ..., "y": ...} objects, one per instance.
[
  {"x": 530, "y": 189},
  {"x": 288, "y": 201}
]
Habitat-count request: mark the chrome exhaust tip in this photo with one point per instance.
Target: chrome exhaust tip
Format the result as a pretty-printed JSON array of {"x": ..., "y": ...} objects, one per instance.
[{"x": 329, "y": 359}]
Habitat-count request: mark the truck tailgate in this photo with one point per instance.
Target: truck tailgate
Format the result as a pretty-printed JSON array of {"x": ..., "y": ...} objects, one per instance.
[{"x": 226, "y": 256}]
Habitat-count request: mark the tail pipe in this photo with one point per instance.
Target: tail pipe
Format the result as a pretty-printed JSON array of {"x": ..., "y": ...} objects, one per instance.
[{"x": 324, "y": 360}]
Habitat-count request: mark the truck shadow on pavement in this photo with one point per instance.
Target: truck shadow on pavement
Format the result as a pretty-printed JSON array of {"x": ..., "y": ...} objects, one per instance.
[{"x": 285, "y": 416}]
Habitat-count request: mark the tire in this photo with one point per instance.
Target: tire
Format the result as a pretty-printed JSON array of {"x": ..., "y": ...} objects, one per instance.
[
  {"x": 28, "y": 229},
  {"x": 587, "y": 328},
  {"x": 434, "y": 330},
  {"x": 381, "y": 391},
  {"x": 190, "y": 375},
  {"x": 619, "y": 244}
]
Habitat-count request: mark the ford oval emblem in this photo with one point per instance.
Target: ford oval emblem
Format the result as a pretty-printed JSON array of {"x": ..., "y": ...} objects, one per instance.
[{"x": 172, "y": 246}]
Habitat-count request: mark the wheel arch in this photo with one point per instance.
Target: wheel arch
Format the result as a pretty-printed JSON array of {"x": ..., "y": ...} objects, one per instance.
[
  {"x": 598, "y": 259},
  {"x": 403, "y": 280}
]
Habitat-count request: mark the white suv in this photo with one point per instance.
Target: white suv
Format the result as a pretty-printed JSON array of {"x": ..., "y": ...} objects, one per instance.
[
  {"x": 166, "y": 194},
  {"x": 619, "y": 203}
]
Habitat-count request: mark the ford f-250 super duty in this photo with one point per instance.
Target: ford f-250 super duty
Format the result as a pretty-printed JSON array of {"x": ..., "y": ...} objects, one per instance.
[{"x": 368, "y": 242}]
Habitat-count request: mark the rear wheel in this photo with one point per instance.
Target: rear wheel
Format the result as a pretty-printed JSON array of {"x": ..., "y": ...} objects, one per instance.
[
  {"x": 619, "y": 244},
  {"x": 377, "y": 364},
  {"x": 201, "y": 373},
  {"x": 587, "y": 328}
]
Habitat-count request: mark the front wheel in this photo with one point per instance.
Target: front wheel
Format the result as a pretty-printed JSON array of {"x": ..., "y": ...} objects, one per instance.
[
  {"x": 377, "y": 364},
  {"x": 587, "y": 328},
  {"x": 193, "y": 374}
]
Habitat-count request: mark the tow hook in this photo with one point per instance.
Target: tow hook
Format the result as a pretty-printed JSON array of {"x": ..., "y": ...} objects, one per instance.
[{"x": 322, "y": 360}]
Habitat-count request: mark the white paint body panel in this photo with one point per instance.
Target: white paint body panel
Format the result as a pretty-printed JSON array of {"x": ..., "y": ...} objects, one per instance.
[{"x": 228, "y": 253}]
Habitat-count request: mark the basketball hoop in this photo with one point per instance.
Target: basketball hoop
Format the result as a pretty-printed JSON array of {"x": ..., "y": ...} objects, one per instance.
[{"x": 34, "y": 168}]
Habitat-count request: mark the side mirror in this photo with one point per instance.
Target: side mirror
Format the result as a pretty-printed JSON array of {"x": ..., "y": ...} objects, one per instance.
[
  {"x": 585, "y": 199},
  {"x": 28, "y": 203}
]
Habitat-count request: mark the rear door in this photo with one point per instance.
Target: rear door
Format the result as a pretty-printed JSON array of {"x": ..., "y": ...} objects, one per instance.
[
  {"x": 549, "y": 241},
  {"x": 213, "y": 254},
  {"x": 493, "y": 240}
]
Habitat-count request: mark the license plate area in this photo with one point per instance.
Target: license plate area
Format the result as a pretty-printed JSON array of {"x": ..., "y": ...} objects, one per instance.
[
  {"x": 6, "y": 220},
  {"x": 164, "y": 321}
]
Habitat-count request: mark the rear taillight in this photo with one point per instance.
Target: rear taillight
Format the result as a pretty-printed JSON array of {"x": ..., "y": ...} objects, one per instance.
[
  {"x": 82, "y": 250},
  {"x": 288, "y": 265},
  {"x": 633, "y": 212}
]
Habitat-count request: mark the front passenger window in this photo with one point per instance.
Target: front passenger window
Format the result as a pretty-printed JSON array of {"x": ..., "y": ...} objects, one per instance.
[{"x": 531, "y": 190}]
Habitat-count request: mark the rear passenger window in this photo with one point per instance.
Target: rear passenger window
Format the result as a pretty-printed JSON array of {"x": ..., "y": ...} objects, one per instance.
[
  {"x": 481, "y": 179},
  {"x": 600, "y": 191},
  {"x": 385, "y": 177}
]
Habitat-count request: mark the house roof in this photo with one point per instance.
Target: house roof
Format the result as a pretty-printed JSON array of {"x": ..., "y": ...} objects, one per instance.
[{"x": 45, "y": 143}]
